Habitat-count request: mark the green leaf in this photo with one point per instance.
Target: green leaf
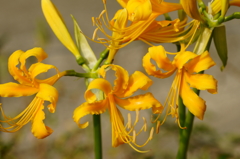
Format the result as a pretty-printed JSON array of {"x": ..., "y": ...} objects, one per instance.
[
  {"x": 83, "y": 46},
  {"x": 220, "y": 41}
]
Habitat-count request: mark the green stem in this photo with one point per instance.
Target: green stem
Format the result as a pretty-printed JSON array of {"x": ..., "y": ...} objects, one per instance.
[
  {"x": 103, "y": 56},
  {"x": 85, "y": 75},
  {"x": 185, "y": 133},
  {"x": 97, "y": 136}
]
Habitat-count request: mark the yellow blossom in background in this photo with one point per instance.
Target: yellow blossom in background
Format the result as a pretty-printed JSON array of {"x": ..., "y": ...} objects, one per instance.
[
  {"x": 29, "y": 85},
  {"x": 186, "y": 64},
  {"x": 124, "y": 86}
]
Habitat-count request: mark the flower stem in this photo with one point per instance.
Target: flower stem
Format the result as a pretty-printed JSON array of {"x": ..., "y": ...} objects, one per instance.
[
  {"x": 185, "y": 133},
  {"x": 97, "y": 136}
]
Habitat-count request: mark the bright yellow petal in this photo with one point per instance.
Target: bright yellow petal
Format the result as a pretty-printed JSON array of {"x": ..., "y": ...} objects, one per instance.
[
  {"x": 89, "y": 108},
  {"x": 139, "y": 9},
  {"x": 202, "y": 81},
  {"x": 123, "y": 3},
  {"x": 39, "y": 129},
  {"x": 122, "y": 77},
  {"x": 53, "y": 79},
  {"x": 17, "y": 74},
  {"x": 37, "y": 52},
  {"x": 190, "y": 7},
  {"x": 137, "y": 80},
  {"x": 58, "y": 26},
  {"x": 50, "y": 94},
  {"x": 161, "y": 7},
  {"x": 200, "y": 63},
  {"x": 138, "y": 102},
  {"x": 100, "y": 84},
  {"x": 16, "y": 90},
  {"x": 192, "y": 101},
  {"x": 183, "y": 57},
  {"x": 39, "y": 68},
  {"x": 151, "y": 68}
]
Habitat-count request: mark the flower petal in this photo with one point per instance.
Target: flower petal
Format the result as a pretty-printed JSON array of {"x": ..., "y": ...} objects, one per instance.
[
  {"x": 139, "y": 10},
  {"x": 122, "y": 77},
  {"x": 89, "y": 108},
  {"x": 183, "y": 57},
  {"x": 100, "y": 84},
  {"x": 48, "y": 93},
  {"x": 16, "y": 90},
  {"x": 58, "y": 26},
  {"x": 17, "y": 74},
  {"x": 192, "y": 101},
  {"x": 190, "y": 7},
  {"x": 139, "y": 102},
  {"x": 151, "y": 68},
  {"x": 200, "y": 63},
  {"x": 39, "y": 68},
  {"x": 235, "y": 3},
  {"x": 53, "y": 79},
  {"x": 39, "y": 129},
  {"x": 137, "y": 80},
  {"x": 202, "y": 82}
]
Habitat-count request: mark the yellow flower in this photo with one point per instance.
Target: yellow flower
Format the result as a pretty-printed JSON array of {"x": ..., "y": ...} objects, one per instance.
[
  {"x": 186, "y": 65},
  {"x": 29, "y": 85},
  {"x": 124, "y": 86}
]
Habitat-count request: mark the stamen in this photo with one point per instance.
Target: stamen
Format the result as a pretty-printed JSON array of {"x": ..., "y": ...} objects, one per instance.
[
  {"x": 94, "y": 33},
  {"x": 158, "y": 127}
]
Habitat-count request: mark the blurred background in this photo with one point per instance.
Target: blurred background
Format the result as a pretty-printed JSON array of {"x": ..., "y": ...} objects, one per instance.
[{"x": 23, "y": 27}]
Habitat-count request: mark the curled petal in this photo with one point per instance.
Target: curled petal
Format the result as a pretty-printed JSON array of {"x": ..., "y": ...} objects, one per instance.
[
  {"x": 235, "y": 3},
  {"x": 39, "y": 68},
  {"x": 122, "y": 77},
  {"x": 202, "y": 82},
  {"x": 16, "y": 90},
  {"x": 200, "y": 63},
  {"x": 37, "y": 52},
  {"x": 151, "y": 68},
  {"x": 100, "y": 84},
  {"x": 89, "y": 108},
  {"x": 139, "y": 10},
  {"x": 39, "y": 129},
  {"x": 48, "y": 93},
  {"x": 17, "y": 74},
  {"x": 58, "y": 26},
  {"x": 192, "y": 101},
  {"x": 139, "y": 102},
  {"x": 190, "y": 7},
  {"x": 137, "y": 80},
  {"x": 183, "y": 57}
]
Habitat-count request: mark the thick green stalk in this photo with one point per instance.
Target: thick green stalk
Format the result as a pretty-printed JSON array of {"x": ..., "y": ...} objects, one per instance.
[{"x": 97, "y": 136}]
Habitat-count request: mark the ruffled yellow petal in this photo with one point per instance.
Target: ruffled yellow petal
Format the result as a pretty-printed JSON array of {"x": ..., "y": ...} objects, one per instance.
[
  {"x": 192, "y": 101},
  {"x": 37, "y": 52},
  {"x": 39, "y": 68},
  {"x": 39, "y": 129},
  {"x": 137, "y": 80},
  {"x": 48, "y": 93},
  {"x": 200, "y": 63},
  {"x": 152, "y": 70},
  {"x": 139, "y": 102},
  {"x": 58, "y": 26},
  {"x": 202, "y": 82},
  {"x": 139, "y": 9},
  {"x": 122, "y": 77},
  {"x": 190, "y": 7},
  {"x": 89, "y": 108},
  {"x": 16, "y": 90},
  {"x": 17, "y": 74},
  {"x": 183, "y": 57},
  {"x": 100, "y": 84}
]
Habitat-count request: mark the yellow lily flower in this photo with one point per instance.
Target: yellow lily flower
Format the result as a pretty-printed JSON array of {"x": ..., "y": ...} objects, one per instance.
[
  {"x": 58, "y": 26},
  {"x": 186, "y": 64},
  {"x": 124, "y": 86},
  {"x": 29, "y": 85},
  {"x": 141, "y": 13}
]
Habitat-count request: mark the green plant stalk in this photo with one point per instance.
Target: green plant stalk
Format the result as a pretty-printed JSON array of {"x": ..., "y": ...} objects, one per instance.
[
  {"x": 185, "y": 133},
  {"x": 97, "y": 136}
]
